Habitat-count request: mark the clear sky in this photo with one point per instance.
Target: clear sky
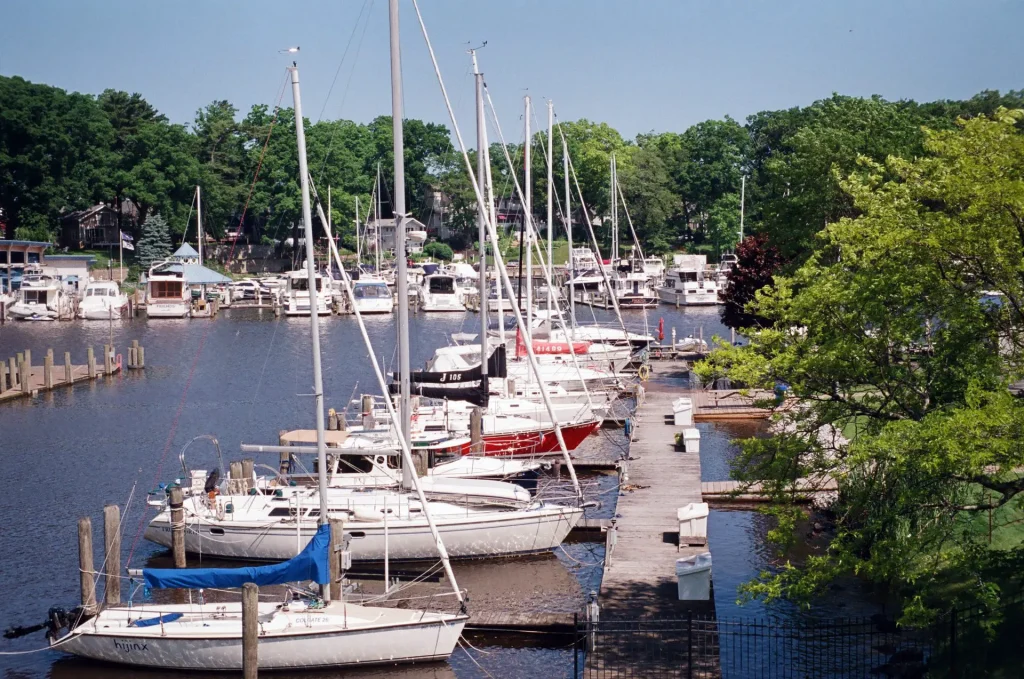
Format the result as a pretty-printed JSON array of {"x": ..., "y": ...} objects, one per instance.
[{"x": 638, "y": 65}]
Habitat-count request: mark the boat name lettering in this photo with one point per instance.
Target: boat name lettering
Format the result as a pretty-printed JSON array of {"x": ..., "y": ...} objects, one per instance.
[
  {"x": 313, "y": 619},
  {"x": 127, "y": 646}
]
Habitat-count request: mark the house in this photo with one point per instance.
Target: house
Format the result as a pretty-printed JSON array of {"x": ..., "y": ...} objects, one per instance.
[
  {"x": 96, "y": 226},
  {"x": 415, "y": 234}
]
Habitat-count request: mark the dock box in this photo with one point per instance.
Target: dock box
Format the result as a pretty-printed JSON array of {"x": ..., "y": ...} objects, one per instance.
[
  {"x": 693, "y": 575},
  {"x": 691, "y": 440},
  {"x": 682, "y": 410},
  {"x": 693, "y": 524}
]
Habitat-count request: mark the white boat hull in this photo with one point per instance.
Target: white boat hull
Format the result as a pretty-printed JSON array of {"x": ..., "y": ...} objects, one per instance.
[
  {"x": 501, "y": 533},
  {"x": 335, "y": 636},
  {"x": 100, "y": 314},
  {"x": 168, "y": 309},
  {"x": 31, "y": 312},
  {"x": 688, "y": 298}
]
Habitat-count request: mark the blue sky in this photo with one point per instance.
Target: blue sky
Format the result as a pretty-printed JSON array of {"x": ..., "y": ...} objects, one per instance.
[{"x": 639, "y": 66}]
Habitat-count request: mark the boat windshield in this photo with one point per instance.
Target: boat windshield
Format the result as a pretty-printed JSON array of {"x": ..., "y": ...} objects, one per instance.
[
  {"x": 373, "y": 290},
  {"x": 33, "y": 296},
  {"x": 100, "y": 292},
  {"x": 442, "y": 285},
  {"x": 165, "y": 289},
  {"x": 303, "y": 283}
]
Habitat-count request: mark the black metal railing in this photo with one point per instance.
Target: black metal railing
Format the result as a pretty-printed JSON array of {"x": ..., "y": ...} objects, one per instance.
[{"x": 969, "y": 642}]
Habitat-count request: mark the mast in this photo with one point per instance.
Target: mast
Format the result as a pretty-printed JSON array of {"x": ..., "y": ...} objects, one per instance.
[
  {"x": 743, "y": 192},
  {"x": 481, "y": 218},
  {"x": 551, "y": 188},
  {"x": 359, "y": 250},
  {"x": 568, "y": 235},
  {"x": 615, "y": 216},
  {"x": 199, "y": 223},
  {"x": 314, "y": 317},
  {"x": 401, "y": 276},
  {"x": 528, "y": 208},
  {"x": 376, "y": 216},
  {"x": 492, "y": 213}
]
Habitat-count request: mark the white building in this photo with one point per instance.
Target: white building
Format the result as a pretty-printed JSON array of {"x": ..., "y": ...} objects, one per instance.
[{"x": 415, "y": 233}]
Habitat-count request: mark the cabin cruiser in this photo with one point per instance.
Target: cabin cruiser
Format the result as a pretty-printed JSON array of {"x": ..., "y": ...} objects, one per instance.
[
  {"x": 167, "y": 293},
  {"x": 438, "y": 293},
  {"x": 687, "y": 283},
  {"x": 726, "y": 265},
  {"x": 102, "y": 301},
  {"x": 372, "y": 296},
  {"x": 41, "y": 297},
  {"x": 296, "y": 295}
]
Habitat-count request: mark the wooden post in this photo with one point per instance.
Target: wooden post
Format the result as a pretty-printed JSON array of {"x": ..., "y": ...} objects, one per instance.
[
  {"x": 48, "y": 369},
  {"x": 235, "y": 475},
  {"x": 177, "y": 526},
  {"x": 69, "y": 375},
  {"x": 248, "y": 472},
  {"x": 112, "y": 554},
  {"x": 133, "y": 355},
  {"x": 367, "y": 408},
  {"x": 250, "y": 630},
  {"x": 732, "y": 336},
  {"x": 90, "y": 358},
  {"x": 285, "y": 459},
  {"x": 85, "y": 570},
  {"x": 334, "y": 557},
  {"x": 476, "y": 430},
  {"x": 332, "y": 419},
  {"x": 142, "y": 357},
  {"x": 108, "y": 362},
  {"x": 28, "y": 357},
  {"x": 3, "y": 376},
  {"x": 13, "y": 372},
  {"x": 25, "y": 376}
]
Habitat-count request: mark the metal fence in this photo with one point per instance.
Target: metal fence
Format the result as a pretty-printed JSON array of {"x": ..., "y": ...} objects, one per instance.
[{"x": 971, "y": 642}]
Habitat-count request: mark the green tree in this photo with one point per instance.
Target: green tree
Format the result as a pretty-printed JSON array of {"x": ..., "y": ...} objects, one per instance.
[
  {"x": 155, "y": 243},
  {"x": 647, "y": 189},
  {"x": 887, "y": 334},
  {"x": 220, "y": 152},
  {"x": 722, "y": 229},
  {"x": 438, "y": 250}
]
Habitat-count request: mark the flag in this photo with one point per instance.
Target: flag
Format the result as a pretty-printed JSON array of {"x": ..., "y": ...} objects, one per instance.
[{"x": 126, "y": 241}]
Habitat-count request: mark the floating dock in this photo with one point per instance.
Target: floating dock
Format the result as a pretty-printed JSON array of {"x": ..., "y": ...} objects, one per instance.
[{"x": 19, "y": 378}]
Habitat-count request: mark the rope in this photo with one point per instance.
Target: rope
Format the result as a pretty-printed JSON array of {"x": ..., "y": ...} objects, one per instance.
[{"x": 468, "y": 655}]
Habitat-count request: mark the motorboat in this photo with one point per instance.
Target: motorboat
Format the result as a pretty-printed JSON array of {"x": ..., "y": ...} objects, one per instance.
[
  {"x": 41, "y": 297},
  {"x": 168, "y": 295},
  {"x": 373, "y": 296},
  {"x": 296, "y": 295},
  {"x": 102, "y": 301},
  {"x": 686, "y": 283},
  {"x": 438, "y": 293}
]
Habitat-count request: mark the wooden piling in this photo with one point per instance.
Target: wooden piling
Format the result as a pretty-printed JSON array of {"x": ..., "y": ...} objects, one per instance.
[
  {"x": 248, "y": 474},
  {"x": 178, "y": 526},
  {"x": 235, "y": 482},
  {"x": 28, "y": 358},
  {"x": 476, "y": 430},
  {"x": 90, "y": 359},
  {"x": 332, "y": 419},
  {"x": 48, "y": 370},
  {"x": 108, "y": 359},
  {"x": 25, "y": 376},
  {"x": 86, "y": 577},
  {"x": 250, "y": 630},
  {"x": 3, "y": 376},
  {"x": 133, "y": 355},
  {"x": 13, "y": 372},
  {"x": 367, "y": 409},
  {"x": 141, "y": 357},
  {"x": 284, "y": 464},
  {"x": 334, "y": 557},
  {"x": 112, "y": 554},
  {"x": 69, "y": 375}
]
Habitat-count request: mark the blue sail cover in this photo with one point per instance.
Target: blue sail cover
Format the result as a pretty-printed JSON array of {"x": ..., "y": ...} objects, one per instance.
[{"x": 309, "y": 564}]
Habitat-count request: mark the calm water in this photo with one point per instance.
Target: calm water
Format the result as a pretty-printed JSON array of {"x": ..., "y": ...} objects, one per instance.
[{"x": 242, "y": 378}]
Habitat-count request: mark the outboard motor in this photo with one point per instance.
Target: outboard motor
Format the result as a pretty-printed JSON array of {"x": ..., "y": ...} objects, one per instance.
[{"x": 212, "y": 480}]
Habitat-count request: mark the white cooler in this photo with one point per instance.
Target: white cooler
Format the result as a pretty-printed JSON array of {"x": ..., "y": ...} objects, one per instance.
[
  {"x": 682, "y": 411},
  {"x": 693, "y": 574},
  {"x": 691, "y": 440},
  {"x": 693, "y": 523}
]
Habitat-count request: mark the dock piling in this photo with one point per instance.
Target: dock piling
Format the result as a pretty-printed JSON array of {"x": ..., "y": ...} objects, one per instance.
[
  {"x": 24, "y": 376},
  {"x": 91, "y": 362},
  {"x": 332, "y": 420},
  {"x": 141, "y": 357},
  {"x": 177, "y": 501},
  {"x": 334, "y": 557},
  {"x": 235, "y": 481},
  {"x": 86, "y": 577},
  {"x": 48, "y": 369},
  {"x": 13, "y": 372},
  {"x": 248, "y": 473},
  {"x": 112, "y": 554},
  {"x": 250, "y": 630},
  {"x": 476, "y": 421},
  {"x": 69, "y": 375}
]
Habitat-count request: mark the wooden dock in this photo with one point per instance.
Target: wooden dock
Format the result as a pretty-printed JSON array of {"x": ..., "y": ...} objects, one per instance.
[
  {"x": 19, "y": 378},
  {"x": 740, "y": 492}
]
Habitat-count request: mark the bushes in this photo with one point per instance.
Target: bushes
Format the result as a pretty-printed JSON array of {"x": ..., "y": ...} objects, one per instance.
[{"x": 438, "y": 251}]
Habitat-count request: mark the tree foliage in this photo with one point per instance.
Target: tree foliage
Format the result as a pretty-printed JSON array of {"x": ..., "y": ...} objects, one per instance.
[
  {"x": 901, "y": 330},
  {"x": 757, "y": 263},
  {"x": 155, "y": 243}
]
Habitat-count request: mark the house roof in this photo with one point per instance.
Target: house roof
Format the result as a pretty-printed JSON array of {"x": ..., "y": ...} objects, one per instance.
[
  {"x": 195, "y": 274},
  {"x": 185, "y": 251},
  {"x": 410, "y": 224},
  {"x": 86, "y": 258},
  {"x": 25, "y": 243}
]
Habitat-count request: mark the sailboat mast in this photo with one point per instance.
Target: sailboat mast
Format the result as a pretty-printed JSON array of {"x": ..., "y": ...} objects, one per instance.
[
  {"x": 743, "y": 195},
  {"x": 568, "y": 234},
  {"x": 314, "y": 318},
  {"x": 376, "y": 216},
  {"x": 401, "y": 275},
  {"x": 615, "y": 215},
  {"x": 528, "y": 209},
  {"x": 551, "y": 204},
  {"x": 481, "y": 218},
  {"x": 199, "y": 223}
]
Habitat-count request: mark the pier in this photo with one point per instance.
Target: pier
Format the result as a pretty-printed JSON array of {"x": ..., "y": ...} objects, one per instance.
[{"x": 19, "y": 378}]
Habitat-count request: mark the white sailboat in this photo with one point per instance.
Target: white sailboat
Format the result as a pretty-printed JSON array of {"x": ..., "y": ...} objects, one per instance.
[{"x": 311, "y": 633}]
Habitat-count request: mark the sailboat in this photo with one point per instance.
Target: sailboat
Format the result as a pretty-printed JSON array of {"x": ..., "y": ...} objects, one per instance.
[{"x": 308, "y": 632}]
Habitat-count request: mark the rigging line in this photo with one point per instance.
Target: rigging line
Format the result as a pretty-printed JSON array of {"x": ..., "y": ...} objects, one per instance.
[
  {"x": 259, "y": 165},
  {"x": 189, "y": 219},
  {"x": 355, "y": 27},
  {"x": 204, "y": 336},
  {"x": 348, "y": 84}
]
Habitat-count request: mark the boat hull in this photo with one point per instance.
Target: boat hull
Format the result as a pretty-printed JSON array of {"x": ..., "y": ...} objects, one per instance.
[
  {"x": 168, "y": 310},
  {"x": 110, "y": 313},
  {"x": 317, "y": 638},
  {"x": 680, "y": 298},
  {"x": 501, "y": 533}
]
